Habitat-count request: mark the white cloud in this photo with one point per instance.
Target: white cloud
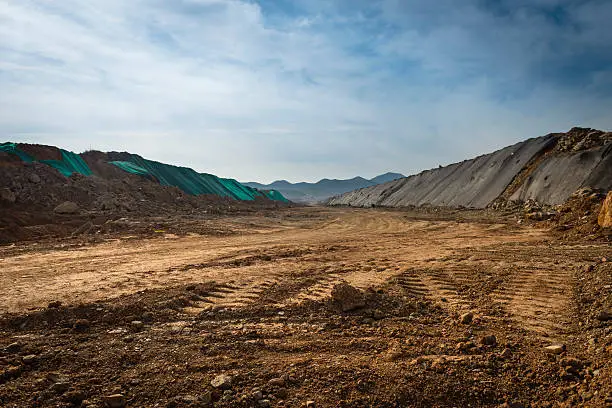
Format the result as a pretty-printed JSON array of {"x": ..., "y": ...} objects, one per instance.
[{"x": 220, "y": 86}]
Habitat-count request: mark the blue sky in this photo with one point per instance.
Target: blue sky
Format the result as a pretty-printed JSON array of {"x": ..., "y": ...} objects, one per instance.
[{"x": 304, "y": 89}]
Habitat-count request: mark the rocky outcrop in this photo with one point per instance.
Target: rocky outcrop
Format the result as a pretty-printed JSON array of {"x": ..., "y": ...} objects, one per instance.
[
  {"x": 605, "y": 215},
  {"x": 546, "y": 169}
]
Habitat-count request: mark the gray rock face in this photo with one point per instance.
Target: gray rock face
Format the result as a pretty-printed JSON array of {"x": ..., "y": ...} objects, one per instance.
[
  {"x": 476, "y": 183},
  {"x": 557, "y": 177},
  {"x": 472, "y": 183},
  {"x": 67, "y": 207}
]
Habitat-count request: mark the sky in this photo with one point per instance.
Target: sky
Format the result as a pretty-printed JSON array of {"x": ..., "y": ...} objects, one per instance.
[{"x": 304, "y": 89}]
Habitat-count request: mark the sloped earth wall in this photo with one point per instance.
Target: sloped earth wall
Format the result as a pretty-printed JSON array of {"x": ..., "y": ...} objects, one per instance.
[
  {"x": 560, "y": 175},
  {"x": 478, "y": 182}
]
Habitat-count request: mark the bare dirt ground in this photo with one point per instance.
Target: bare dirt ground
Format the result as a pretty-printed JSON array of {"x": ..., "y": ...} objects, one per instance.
[{"x": 157, "y": 317}]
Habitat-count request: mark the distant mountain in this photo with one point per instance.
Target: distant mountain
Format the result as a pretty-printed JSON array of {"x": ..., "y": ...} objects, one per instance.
[{"x": 323, "y": 189}]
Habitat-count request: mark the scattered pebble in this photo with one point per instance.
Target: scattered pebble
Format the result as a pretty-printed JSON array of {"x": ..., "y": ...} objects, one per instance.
[{"x": 222, "y": 382}]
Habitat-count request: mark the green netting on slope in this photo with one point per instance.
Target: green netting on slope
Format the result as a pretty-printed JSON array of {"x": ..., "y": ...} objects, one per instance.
[
  {"x": 238, "y": 190},
  {"x": 75, "y": 162},
  {"x": 132, "y": 168},
  {"x": 275, "y": 196},
  {"x": 12, "y": 149},
  {"x": 70, "y": 163},
  {"x": 184, "y": 178}
]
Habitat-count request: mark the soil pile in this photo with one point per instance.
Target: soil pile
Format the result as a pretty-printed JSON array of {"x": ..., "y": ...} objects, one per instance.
[
  {"x": 30, "y": 193},
  {"x": 546, "y": 169}
]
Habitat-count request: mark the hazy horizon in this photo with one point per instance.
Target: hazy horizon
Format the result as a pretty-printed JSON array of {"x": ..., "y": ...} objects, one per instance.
[{"x": 302, "y": 90}]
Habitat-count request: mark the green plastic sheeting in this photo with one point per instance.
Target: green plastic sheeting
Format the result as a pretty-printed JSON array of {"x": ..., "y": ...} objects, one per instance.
[
  {"x": 184, "y": 178},
  {"x": 11, "y": 148},
  {"x": 70, "y": 163},
  {"x": 130, "y": 167},
  {"x": 192, "y": 182},
  {"x": 275, "y": 196},
  {"x": 188, "y": 180}
]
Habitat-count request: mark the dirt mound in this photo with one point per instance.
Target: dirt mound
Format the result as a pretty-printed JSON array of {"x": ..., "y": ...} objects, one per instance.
[
  {"x": 546, "y": 169},
  {"x": 31, "y": 192}
]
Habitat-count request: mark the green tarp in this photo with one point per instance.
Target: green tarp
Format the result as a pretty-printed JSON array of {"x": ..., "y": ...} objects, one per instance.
[
  {"x": 275, "y": 196},
  {"x": 12, "y": 149},
  {"x": 188, "y": 180},
  {"x": 70, "y": 163},
  {"x": 130, "y": 167}
]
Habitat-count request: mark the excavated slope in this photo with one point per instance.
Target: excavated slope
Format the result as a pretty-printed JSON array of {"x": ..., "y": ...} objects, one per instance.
[{"x": 548, "y": 168}]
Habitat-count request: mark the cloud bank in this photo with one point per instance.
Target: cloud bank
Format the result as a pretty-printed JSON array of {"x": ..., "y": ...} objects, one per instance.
[{"x": 304, "y": 89}]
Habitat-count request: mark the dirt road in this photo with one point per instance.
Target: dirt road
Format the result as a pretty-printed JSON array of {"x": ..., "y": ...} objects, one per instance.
[
  {"x": 363, "y": 247},
  {"x": 253, "y": 300}
]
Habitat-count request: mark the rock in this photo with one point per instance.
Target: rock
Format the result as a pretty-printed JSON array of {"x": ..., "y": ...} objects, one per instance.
[
  {"x": 507, "y": 353},
  {"x": 489, "y": 340},
  {"x": 7, "y": 195},
  {"x": 310, "y": 404},
  {"x": 222, "y": 382},
  {"x": 346, "y": 297},
  {"x": 34, "y": 178},
  {"x": 81, "y": 325},
  {"x": 60, "y": 387},
  {"x": 605, "y": 214},
  {"x": 467, "y": 318},
  {"x": 67, "y": 207},
  {"x": 13, "y": 348},
  {"x": 137, "y": 325},
  {"x": 257, "y": 395},
  {"x": 555, "y": 349},
  {"x": 75, "y": 397},
  {"x": 54, "y": 305},
  {"x": 29, "y": 359},
  {"x": 114, "y": 401},
  {"x": 276, "y": 382},
  {"x": 604, "y": 316},
  {"x": 263, "y": 403}
]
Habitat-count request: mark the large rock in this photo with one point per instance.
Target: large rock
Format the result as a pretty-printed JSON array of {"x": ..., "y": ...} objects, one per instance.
[
  {"x": 346, "y": 297},
  {"x": 67, "y": 207},
  {"x": 7, "y": 195},
  {"x": 605, "y": 215}
]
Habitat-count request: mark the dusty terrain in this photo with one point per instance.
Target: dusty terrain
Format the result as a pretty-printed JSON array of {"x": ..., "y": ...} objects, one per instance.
[{"x": 153, "y": 318}]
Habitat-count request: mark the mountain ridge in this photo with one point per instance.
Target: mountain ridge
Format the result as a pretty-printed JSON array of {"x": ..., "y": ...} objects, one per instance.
[{"x": 323, "y": 189}]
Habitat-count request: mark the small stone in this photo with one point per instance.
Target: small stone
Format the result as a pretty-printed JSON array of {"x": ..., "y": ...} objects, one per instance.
[
  {"x": 13, "y": 348},
  {"x": 29, "y": 359},
  {"x": 75, "y": 397},
  {"x": 222, "y": 382},
  {"x": 67, "y": 207},
  {"x": 81, "y": 325},
  {"x": 489, "y": 340},
  {"x": 378, "y": 314},
  {"x": 555, "y": 349},
  {"x": 257, "y": 395},
  {"x": 467, "y": 318},
  {"x": 264, "y": 403},
  {"x": 310, "y": 404},
  {"x": 34, "y": 178},
  {"x": 60, "y": 387},
  {"x": 507, "y": 353},
  {"x": 54, "y": 305},
  {"x": 604, "y": 316},
  {"x": 346, "y": 297},
  {"x": 7, "y": 195},
  {"x": 114, "y": 401},
  {"x": 276, "y": 382}
]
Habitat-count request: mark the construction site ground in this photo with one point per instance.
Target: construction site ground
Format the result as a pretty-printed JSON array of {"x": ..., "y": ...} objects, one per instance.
[{"x": 235, "y": 311}]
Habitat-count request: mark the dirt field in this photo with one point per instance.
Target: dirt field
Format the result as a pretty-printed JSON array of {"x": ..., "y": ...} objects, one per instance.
[{"x": 156, "y": 319}]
